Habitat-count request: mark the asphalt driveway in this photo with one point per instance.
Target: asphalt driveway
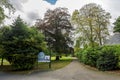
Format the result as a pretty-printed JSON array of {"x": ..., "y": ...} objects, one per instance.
[{"x": 74, "y": 71}]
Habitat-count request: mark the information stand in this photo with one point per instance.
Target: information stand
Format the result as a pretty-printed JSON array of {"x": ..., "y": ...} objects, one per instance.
[{"x": 44, "y": 58}]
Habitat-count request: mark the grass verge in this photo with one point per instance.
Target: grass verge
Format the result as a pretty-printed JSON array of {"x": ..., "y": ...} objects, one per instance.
[{"x": 64, "y": 61}]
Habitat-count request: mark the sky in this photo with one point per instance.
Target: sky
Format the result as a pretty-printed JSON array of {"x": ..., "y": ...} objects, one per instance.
[{"x": 30, "y": 10}]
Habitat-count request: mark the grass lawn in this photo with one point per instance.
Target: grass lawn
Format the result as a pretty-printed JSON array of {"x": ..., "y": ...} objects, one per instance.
[
  {"x": 5, "y": 62},
  {"x": 40, "y": 66},
  {"x": 56, "y": 64}
]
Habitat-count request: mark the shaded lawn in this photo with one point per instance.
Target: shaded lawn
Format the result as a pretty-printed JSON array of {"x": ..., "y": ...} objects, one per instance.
[
  {"x": 55, "y": 64},
  {"x": 64, "y": 61},
  {"x": 5, "y": 62}
]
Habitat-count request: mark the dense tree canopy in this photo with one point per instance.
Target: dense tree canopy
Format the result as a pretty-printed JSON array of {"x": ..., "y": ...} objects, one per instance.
[
  {"x": 117, "y": 25},
  {"x": 20, "y": 42},
  {"x": 92, "y": 22},
  {"x": 57, "y": 29},
  {"x": 2, "y": 50}
]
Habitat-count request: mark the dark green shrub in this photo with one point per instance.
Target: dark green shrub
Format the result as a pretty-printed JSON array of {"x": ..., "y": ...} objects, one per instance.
[
  {"x": 107, "y": 59},
  {"x": 21, "y": 43},
  {"x": 22, "y": 62},
  {"x": 90, "y": 56},
  {"x": 117, "y": 50},
  {"x": 104, "y": 58},
  {"x": 79, "y": 55}
]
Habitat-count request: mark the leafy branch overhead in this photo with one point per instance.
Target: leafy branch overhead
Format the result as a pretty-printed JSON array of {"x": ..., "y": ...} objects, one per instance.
[{"x": 5, "y": 4}]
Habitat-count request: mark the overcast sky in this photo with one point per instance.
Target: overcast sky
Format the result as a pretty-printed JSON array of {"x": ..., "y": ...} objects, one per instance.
[{"x": 30, "y": 10}]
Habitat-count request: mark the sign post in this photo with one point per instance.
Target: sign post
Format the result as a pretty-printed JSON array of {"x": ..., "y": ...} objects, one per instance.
[
  {"x": 50, "y": 60},
  {"x": 44, "y": 58}
]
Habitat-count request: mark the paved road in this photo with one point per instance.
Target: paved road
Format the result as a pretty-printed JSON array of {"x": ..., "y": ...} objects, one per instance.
[{"x": 74, "y": 71}]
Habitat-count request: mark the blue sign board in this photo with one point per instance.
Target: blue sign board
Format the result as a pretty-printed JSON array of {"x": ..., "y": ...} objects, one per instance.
[{"x": 43, "y": 58}]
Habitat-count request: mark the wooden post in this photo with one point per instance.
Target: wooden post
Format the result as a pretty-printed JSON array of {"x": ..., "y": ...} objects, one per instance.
[{"x": 50, "y": 60}]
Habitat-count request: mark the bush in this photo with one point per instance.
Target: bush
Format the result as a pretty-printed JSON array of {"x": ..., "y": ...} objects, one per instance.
[
  {"x": 79, "y": 55},
  {"x": 22, "y": 62},
  {"x": 117, "y": 49},
  {"x": 107, "y": 59},
  {"x": 89, "y": 56},
  {"x": 104, "y": 58}
]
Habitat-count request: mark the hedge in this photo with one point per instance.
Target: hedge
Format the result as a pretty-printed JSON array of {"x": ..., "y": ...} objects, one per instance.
[{"x": 104, "y": 57}]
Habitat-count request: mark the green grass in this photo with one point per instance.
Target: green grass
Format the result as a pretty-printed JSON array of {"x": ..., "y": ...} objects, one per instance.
[
  {"x": 64, "y": 61},
  {"x": 5, "y": 62},
  {"x": 55, "y": 64}
]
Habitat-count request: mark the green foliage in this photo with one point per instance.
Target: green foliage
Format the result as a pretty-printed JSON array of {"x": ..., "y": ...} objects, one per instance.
[
  {"x": 117, "y": 50},
  {"x": 107, "y": 59},
  {"x": 2, "y": 50},
  {"x": 22, "y": 62},
  {"x": 91, "y": 23},
  {"x": 79, "y": 54},
  {"x": 22, "y": 41},
  {"x": 5, "y": 4},
  {"x": 103, "y": 58},
  {"x": 89, "y": 56},
  {"x": 57, "y": 29},
  {"x": 117, "y": 25},
  {"x": 2, "y": 15}
]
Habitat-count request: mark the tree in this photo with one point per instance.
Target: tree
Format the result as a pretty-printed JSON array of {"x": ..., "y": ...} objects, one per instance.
[
  {"x": 117, "y": 25},
  {"x": 22, "y": 45},
  {"x": 92, "y": 22},
  {"x": 5, "y": 4},
  {"x": 2, "y": 51},
  {"x": 57, "y": 29}
]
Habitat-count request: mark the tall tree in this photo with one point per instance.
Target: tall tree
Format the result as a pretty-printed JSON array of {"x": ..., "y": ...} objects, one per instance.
[
  {"x": 4, "y": 4},
  {"x": 2, "y": 50},
  {"x": 57, "y": 29},
  {"x": 117, "y": 25},
  {"x": 92, "y": 22},
  {"x": 21, "y": 43}
]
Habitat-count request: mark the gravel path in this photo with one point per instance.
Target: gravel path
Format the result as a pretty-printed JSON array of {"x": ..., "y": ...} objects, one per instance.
[{"x": 74, "y": 71}]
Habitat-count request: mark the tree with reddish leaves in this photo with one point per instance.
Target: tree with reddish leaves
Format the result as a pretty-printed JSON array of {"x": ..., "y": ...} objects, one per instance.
[{"x": 57, "y": 29}]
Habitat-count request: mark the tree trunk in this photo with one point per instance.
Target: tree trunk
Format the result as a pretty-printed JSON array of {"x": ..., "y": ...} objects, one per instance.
[
  {"x": 91, "y": 33},
  {"x": 2, "y": 61},
  {"x": 99, "y": 36},
  {"x": 57, "y": 58}
]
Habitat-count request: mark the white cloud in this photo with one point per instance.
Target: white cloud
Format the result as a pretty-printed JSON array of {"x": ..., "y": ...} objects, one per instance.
[
  {"x": 18, "y": 4},
  {"x": 39, "y": 7}
]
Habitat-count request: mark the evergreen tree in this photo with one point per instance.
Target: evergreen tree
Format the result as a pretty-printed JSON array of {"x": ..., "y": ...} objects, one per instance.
[{"x": 22, "y": 45}]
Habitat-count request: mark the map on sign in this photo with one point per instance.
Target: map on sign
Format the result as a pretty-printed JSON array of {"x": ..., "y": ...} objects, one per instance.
[{"x": 43, "y": 58}]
